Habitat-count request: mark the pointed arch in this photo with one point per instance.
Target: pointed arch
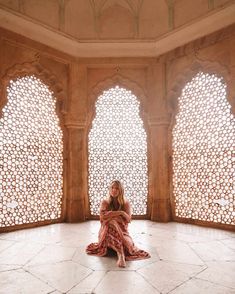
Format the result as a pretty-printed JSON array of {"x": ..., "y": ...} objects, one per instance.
[
  {"x": 127, "y": 85},
  {"x": 118, "y": 80},
  {"x": 122, "y": 81},
  {"x": 33, "y": 150},
  {"x": 186, "y": 76},
  {"x": 193, "y": 150},
  {"x": 48, "y": 78}
]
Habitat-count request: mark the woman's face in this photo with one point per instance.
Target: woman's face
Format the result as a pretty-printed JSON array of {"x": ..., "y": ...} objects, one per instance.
[{"x": 114, "y": 190}]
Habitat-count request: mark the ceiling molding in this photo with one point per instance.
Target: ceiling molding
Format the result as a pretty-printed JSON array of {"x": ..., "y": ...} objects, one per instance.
[{"x": 36, "y": 31}]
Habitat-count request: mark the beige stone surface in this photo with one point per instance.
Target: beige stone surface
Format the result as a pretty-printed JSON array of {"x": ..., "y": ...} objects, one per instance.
[
  {"x": 174, "y": 267},
  {"x": 115, "y": 27},
  {"x": 157, "y": 84}
]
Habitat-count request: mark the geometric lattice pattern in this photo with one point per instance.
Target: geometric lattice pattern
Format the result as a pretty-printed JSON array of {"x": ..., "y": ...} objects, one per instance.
[
  {"x": 30, "y": 154},
  {"x": 117, "y": 149},
  {"x": 203, "y": 152}
]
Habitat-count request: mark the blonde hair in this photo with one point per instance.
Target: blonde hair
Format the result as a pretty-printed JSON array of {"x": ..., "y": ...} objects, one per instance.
[{"x": 120, "y": 198}]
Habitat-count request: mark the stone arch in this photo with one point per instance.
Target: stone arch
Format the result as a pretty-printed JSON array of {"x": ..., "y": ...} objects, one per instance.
[
  {"x": 173, "y": 99},
  {"x": 118, "y": 80},
  {"x": 139, "y": 92},
  {"x": 186, "y": 76},
  {"x": 21, "y": 70},
  {"x": 49, "y": 79}
]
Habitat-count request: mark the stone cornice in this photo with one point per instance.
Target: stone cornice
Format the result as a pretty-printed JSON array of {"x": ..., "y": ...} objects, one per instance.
[{"x": 216, "y": 20}]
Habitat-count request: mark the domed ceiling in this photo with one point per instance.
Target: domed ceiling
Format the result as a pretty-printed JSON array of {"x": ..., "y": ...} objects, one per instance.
[{"x": 119, "y": 28}]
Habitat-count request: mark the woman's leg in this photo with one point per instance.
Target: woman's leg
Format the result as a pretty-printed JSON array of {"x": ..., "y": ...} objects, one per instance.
[{"x": 121, "y": 259}]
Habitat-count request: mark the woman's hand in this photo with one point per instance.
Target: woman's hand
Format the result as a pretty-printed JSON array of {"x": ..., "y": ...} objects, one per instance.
[
  {"x": 109, "y": 215},
  {"x": 125, "y": 216},
  {"x": 113, "y": 214}
]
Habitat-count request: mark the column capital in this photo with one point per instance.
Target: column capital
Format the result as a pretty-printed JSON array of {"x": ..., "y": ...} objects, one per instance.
[
  {"x": 75, "y": 124},
  {"x": 163, "y": 120}
]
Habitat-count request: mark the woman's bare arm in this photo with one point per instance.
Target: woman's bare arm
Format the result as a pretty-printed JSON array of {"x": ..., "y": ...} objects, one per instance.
[
  {"x": 105, "y": 214},
  {"x": 126, "y": 213}
]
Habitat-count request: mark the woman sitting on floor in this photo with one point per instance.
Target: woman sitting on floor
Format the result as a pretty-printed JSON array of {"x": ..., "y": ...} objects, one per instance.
[{"x": 115, "y": 214}]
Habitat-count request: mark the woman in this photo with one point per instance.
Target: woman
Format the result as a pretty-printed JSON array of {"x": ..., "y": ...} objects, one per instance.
[{"x": 114, "y": 217}]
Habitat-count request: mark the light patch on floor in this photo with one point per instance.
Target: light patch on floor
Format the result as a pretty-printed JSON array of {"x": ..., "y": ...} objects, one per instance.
[{"x": 52, "y": 259}]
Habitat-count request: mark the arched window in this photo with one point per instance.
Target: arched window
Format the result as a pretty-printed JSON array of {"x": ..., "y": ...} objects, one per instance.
[
  {"x": 117, "y": 149},
  {"x": 30, "y": 154},
  {"x": 203, "y": 146}
]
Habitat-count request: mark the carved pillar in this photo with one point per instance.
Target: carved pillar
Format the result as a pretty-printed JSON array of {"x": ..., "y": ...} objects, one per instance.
[
  {"x": 231, "y": 84},
  {"x": 75, "y": 204},
  {"x": 160, "y": 209},
  {"x": 161, "y": 205},
  {"x": 76, "y": 123}
]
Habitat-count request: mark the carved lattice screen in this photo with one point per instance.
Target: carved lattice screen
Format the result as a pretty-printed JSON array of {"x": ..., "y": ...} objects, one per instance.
[
  {"x": 30, "y": 154},
  {"x": 203, "y": 152},
  {"x": 118, "y": 150}
]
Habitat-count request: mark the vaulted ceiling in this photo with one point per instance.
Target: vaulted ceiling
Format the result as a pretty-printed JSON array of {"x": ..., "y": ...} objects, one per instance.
[{"x": 115, "y": 28}]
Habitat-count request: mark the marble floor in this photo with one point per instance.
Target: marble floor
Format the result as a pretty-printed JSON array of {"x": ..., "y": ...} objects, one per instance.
[{"x": 184, "y": 259}]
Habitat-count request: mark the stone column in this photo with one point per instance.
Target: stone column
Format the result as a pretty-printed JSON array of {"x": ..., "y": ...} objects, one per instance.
[
  {"x": 76, "y": 144},
  {"x": 231, "y": 84},
  {"x": 160, "y": 208},
  {"x": 75, "y": 202},
  {"x": 161, "y": 205}
]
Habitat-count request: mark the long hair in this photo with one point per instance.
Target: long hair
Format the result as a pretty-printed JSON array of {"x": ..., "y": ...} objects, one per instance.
[{"x": 120, "y": 197}]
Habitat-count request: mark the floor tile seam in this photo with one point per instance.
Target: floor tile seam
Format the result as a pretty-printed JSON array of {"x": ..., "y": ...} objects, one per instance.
[
  {"x": 59, "y": 245},
  {"x": 195, "y": 252},
  {"x": 53, "y": 263},
  {"x": 87, "y": 267},
  {"x": 159, "y": 240},
  {"x": 214, "y": 283},
  {"x": 179, "y": 285},
  {"x": 188, "y": 244},
  {"x": 149, "y": 246},
  {"x": 92, "y": 271},
  {"x": 151, "y": 229},
  {"x": 13, "y": 264},
  {"x": 183, "y": 263},
  {"x": 180, "y": 263},
  {"x": 95, "y": 287},
  {"x": 6, "y": 248},
  {"x": 147, "y": 264},
  {"x": 40, "y": 279},
  {"x": 219, "y": 262},
  {"x": 227, "y": 246},
  {"x": 30, "y": 259},
  {"x": 149, "y": 282},
  {"x": 45, "y": 246},
  {"x": 13, "y": 269},
  {"x": 53, "y": 291},
  {"x": 206, "y": 239},
  {"x": 180, "y": 271},
  {"x": 25, "y": 241},
  {"x": 201, "y": 271},
  {"x": 74, "y": 254}
]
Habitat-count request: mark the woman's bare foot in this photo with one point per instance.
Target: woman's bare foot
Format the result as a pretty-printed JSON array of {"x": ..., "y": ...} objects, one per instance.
[{"x": 121, "y": 260}]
